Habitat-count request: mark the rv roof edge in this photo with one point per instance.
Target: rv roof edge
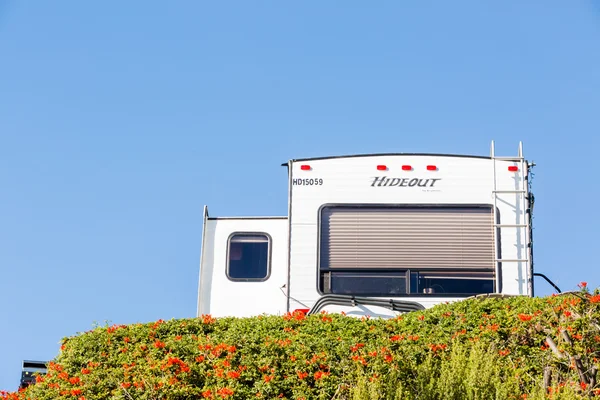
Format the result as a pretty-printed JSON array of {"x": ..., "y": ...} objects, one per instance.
[{"x": 389, "y": 155}]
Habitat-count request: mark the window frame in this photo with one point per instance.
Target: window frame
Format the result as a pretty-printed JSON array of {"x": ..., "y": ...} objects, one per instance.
[
  {"x": 269, "y": 251},
  {"x": 496, "y": 277}
]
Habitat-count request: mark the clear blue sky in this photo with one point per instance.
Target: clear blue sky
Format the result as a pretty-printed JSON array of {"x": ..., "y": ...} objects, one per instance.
[{"x": 120, "y": 120}]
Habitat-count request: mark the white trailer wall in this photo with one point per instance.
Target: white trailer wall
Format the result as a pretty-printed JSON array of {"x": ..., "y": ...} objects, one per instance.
[
  {"x": 455, "y": 180},
  {"x": 221, "y": 296}
]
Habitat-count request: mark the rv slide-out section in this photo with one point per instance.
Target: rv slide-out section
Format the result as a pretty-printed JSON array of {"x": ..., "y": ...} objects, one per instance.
[
  {"x": 410, "y": 227},
  {"x": 243, "y": 266}
]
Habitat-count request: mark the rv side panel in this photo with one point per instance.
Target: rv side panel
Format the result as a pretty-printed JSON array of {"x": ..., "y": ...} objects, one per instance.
[{"x": 244, "y": 267}]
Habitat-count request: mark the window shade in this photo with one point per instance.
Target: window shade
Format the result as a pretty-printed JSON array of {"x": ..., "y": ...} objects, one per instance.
[{"x": 407, "y": 238}]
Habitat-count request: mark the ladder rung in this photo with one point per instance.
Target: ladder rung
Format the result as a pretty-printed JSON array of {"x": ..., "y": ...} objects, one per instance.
[
  {"x": 513, "y": 260},
  {"x": 509, "y": 158},
  {"x": 511, "y": 225},
  {"x": 509, "y": 191}
]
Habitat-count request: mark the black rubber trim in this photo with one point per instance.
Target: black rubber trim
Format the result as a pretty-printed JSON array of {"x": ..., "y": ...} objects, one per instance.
[
  {"x": 343, "y": 300},
  {"x": 548, "y": 280},
  {"x": 386, "y": 155}
]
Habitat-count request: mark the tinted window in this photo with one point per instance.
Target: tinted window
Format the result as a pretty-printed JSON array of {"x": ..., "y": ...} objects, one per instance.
[
  {"x": 248, "y": 257},
  {"x": 365, "y": 283}
]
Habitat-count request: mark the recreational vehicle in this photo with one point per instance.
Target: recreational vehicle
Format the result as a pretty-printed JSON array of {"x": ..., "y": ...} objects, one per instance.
[{"x": 376, "y": 235}]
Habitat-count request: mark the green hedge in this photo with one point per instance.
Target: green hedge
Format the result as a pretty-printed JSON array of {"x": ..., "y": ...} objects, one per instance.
[{"x": 476, "y": 349}]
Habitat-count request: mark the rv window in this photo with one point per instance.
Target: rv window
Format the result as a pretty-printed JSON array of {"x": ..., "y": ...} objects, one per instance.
[
  {"x": 248, "y": 257},
  {"x": 403, "y": 251}
]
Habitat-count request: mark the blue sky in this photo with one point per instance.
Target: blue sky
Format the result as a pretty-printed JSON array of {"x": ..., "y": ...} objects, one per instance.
[{"x": 120, "y": 120}]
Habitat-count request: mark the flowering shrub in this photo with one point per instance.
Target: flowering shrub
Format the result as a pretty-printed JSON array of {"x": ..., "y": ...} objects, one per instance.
[{"x": 511, "y": 348}]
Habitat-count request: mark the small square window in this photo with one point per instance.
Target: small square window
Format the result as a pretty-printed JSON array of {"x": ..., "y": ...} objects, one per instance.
[{"x": 248, "y": 257}]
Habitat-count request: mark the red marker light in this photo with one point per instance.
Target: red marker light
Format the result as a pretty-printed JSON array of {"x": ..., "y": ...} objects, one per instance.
[
  {"x": 406, "y": 168},
  {"x": 513, "y": 168},
  {"x": 381, "y": 168},
  {"x": 305, "y": 167},
  {"x": 431, "y": 168}
]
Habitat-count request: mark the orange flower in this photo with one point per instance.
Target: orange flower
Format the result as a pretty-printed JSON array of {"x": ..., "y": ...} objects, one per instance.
[
  {"x": 233, "y": 374},
  {"x": 298, "y": 315},
  {"x": 207, "y": 319},
  {"x": 225, "y": 392},
  {"x": 359, "y": 358},
  {"x": 356, "y": 347},
  {"x": 75, "y": 380},
  {"x": 157, "y": 324},
  {"x": 458, "y": 333},
  {"x": 302, "y": 375},
  {"x": 436, "y": 347},
  {"x": 55, "y": 367},
  {"x": 525, "y": 317},
  {"x": 320, "y": 374}
]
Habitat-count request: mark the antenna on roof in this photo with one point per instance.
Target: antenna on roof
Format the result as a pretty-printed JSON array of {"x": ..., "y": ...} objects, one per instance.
[{"x": 492, "y": 151}]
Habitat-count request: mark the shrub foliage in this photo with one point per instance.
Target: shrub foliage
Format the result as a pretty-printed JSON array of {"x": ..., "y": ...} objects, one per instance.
[{"x": 484, "y": 348}]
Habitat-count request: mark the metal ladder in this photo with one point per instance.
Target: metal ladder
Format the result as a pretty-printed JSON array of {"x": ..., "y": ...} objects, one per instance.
[{"x": 523, "y": 204}]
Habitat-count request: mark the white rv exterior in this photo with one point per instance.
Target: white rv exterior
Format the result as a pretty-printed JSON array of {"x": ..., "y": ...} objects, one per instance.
[{"x": 367, "y": 231}]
